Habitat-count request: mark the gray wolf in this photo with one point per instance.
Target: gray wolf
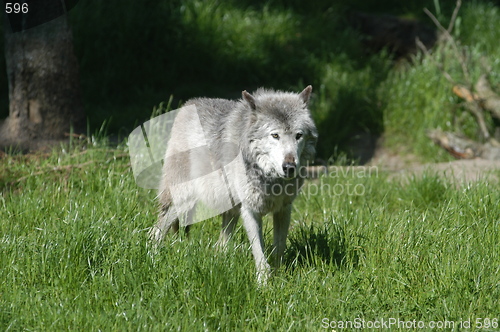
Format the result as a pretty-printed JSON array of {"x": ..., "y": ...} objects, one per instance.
[{"x": 273, "y": 134}]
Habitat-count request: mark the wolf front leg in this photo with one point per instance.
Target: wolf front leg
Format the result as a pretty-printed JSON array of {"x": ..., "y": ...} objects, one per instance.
[
  {"x": 252, "y": 222},
  {"x": 281, "y": 223}
]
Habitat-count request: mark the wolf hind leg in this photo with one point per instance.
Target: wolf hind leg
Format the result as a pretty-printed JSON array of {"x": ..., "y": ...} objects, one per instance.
[
  {"x": 176, "y": 225},
  {"x": 167, "y": 220},
  {"x": 229, "y": 220}
]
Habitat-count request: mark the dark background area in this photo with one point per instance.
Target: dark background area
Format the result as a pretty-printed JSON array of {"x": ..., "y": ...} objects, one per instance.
[{"x": 135, "y": 55}]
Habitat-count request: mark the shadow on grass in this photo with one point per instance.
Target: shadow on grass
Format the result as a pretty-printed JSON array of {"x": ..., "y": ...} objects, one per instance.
[{"x": 313, "y": 246}]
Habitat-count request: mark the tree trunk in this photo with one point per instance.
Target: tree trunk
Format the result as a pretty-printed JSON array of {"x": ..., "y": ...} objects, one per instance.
[{"x": 44, "y": 88}]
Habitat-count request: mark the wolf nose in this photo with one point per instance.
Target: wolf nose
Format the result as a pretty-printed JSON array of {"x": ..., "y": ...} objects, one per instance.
[{"x": 289, "y": 169}]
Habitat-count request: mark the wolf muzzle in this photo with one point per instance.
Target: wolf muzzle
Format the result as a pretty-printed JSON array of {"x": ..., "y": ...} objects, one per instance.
[{"x": 289, "y": 166}]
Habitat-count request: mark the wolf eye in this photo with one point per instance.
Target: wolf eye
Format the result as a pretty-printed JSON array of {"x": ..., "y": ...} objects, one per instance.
[
  {"x": 298, "y": 136},
  {"x": 276, "y": 136}
]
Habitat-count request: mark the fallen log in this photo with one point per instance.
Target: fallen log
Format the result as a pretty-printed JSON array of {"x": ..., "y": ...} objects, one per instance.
[
  {"x": 462, "y": 147},
  {"x": 489, "y": 100}
]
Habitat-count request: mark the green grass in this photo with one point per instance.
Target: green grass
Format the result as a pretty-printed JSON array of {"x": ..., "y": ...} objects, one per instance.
[
  {"x": 73, "y": 223},
  {"x": 75, "y": 254}
]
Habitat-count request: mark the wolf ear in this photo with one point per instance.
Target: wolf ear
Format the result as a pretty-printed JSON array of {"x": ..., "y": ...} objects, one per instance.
[
  {"x": 306, "y": 94},
  {"x": 249, "y": 98}
]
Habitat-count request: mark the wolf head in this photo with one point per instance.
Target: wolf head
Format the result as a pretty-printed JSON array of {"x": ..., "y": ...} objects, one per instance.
[{"x": 283, "y": 135}]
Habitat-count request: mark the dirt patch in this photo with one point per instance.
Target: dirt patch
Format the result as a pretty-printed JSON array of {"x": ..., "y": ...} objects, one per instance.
[{"x": 460, "y": 170}]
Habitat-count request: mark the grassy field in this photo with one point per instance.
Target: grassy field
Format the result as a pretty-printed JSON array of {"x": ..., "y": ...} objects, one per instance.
[
  {"x": 365, "y": 249},
  {"x": 362, "y": 249}
]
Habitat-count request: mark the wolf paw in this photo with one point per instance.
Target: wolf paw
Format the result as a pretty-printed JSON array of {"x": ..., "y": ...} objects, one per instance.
[
  {"x": 155, "y": 234},
  {"x": 263, "y": 274}
]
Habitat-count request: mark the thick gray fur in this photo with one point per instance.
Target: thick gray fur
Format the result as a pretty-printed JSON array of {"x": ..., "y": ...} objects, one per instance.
[{"x": 274, "y": 132}]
